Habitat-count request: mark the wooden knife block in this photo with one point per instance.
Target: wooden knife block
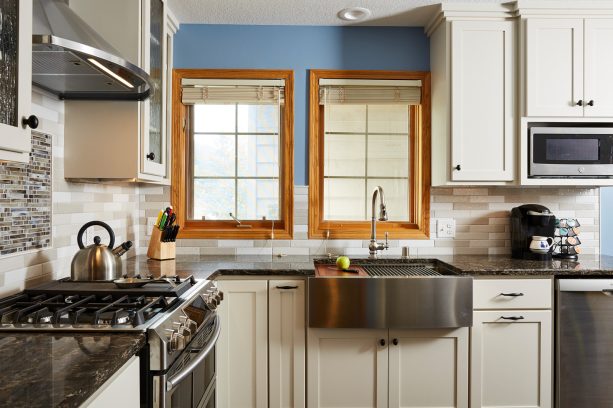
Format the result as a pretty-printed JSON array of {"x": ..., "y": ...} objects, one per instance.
[{"x": 159, "y": 250}]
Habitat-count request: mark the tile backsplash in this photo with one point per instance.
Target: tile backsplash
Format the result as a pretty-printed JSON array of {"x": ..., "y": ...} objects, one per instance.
[
  {"x": 481, "y": 215},
  {"x": 25, "y": 200}
]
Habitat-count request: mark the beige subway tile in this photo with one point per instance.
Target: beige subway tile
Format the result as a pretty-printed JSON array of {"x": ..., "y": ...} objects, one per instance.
[{"x": 471, "y": 191}]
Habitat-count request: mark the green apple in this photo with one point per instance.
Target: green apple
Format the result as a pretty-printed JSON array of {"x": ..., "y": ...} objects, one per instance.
[{"x": 342, "y": 262}]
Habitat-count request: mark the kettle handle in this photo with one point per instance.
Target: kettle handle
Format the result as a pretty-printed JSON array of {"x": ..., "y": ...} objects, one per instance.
[{"x": 101, "y": 224}]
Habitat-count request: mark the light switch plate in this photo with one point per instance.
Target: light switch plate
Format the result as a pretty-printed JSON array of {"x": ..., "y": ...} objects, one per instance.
[{"x": 445, "y": 228}]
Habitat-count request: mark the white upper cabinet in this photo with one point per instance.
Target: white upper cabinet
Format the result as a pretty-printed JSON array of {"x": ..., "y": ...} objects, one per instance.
[
  {"x": 473, "y": 97},
  {"x": 16, "y": 84},
  {"x": 482, "y": 100},
  {"x": 598, "y": 67},
  {"x": 554, "y": 70},
  {"x": 568, "y": 66}
]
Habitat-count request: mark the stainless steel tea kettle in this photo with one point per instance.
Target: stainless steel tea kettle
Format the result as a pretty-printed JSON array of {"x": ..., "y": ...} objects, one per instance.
[{"x": 97, "y": 261}]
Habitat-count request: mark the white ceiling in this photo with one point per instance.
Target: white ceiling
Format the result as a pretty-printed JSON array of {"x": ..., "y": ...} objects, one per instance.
[{"x": 306, "y": 12}]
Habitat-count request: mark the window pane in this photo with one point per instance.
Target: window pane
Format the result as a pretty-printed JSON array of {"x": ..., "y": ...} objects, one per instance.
[
  {"x": 388, "y": 155},
  {"x": 396, "y": 197},
  {"x": 344, "y": 155},
  {"x": 344, "y": 199},
  {"x": 214, "y": 118},
  {"x": 258, "y": 155},
  {"x": 345, "y": 118},
  {"x": 257, "y": 199},
  {"x": 258, "y": 118},
  {"x": 388, "y": 119},
  {"x": 213, "y": 199},
  {"x": 214, "y": 155}
]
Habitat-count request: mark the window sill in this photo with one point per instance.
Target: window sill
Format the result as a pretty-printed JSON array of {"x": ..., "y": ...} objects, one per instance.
[{"x": 199, "y": 232}]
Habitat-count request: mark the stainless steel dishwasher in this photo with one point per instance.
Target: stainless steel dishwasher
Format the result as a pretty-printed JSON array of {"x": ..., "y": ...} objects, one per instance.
[{"x": 584, "y": 343}]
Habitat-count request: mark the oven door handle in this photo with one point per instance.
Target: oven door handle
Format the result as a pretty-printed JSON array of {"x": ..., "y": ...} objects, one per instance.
[{"x": 202, "y": 353}]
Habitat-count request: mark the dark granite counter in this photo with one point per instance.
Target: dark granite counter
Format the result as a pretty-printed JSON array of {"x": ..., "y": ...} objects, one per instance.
[
  {"x": 60, "y": 369},
  {"x": 211, "y": 267}
]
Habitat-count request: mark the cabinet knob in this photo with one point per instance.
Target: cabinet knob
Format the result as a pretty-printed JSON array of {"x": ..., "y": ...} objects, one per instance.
[
  {"x": 31, "y": 121},
  {"x": 382, "y": 342},
  {"x": 150, "y": 156},
  {"x": 395, "y": 342},
  {"x": 458, "y": 168},
  {"x": 580, "y": 102},
  {"x": 591, "y": 102}
]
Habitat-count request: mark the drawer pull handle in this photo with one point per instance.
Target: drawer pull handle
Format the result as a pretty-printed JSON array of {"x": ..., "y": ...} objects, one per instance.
[
  {"x": 514, "y": 294},
  {"x": 287, "y": 287},
  {"x": 514, "y": 318}
]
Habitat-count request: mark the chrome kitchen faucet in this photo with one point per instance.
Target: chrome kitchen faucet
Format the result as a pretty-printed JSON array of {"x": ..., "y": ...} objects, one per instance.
[{"x": 375, "y": 246}]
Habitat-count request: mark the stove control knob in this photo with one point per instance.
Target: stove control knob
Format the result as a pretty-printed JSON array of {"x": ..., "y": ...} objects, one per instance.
[
  {"x": 176, "y": 341},
  {"x": 210, "y": 302},
  {"x": 189, "y": 324},
  {"x": 183, "y": 330}
]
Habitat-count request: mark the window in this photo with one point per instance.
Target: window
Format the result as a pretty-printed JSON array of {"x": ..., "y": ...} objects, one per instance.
[
  {"x": 233, "y": 153},
  {"x": 369, "y": 129}
]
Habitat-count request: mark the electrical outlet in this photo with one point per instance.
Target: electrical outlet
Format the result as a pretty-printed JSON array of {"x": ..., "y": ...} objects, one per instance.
[{"x": 445, "y": 228}]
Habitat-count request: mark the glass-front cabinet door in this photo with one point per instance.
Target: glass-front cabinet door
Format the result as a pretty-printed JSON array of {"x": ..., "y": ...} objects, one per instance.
[
  {"x": 16, "y": 83},
  {"x": 154, "y": 117}
]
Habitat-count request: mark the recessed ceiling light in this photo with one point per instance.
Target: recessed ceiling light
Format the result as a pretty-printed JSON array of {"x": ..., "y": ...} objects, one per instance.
[{"x": 354, "y": 14}]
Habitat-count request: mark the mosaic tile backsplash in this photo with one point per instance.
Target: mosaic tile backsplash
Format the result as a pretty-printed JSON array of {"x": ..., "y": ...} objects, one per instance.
[{"x": 25, "y": 200}]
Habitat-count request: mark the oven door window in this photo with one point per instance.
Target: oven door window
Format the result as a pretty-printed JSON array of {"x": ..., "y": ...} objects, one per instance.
[
  {"x": 572, "y": 149},
  {"x": 194, "y": 391}
]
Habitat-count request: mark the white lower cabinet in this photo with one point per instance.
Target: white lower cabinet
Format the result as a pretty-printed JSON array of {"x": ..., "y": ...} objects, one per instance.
[
  {"x": 381, "y": 368},
  {"x": 428, "y": 368},
  {"x": 262, "y": 336},
  {"x": 347, "y": 368},
  {"x": 511, "y": 349},
  {"x": 121, "y": 390}
]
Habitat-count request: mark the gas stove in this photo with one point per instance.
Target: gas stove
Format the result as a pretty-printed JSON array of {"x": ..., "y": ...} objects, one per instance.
[
  {"x": 93, "y": 305},
  {"x": 177, "y": 315}
]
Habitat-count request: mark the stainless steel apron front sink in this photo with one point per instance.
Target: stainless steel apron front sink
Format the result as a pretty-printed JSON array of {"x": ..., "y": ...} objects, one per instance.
[{"x": 395, "y": 297}]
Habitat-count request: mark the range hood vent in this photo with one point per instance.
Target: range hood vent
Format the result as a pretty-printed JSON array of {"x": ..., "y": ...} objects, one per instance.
[{"x": 72, "y": 61}]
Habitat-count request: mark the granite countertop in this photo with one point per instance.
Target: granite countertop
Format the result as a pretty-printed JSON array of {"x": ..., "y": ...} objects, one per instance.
[
  {"x": 211, "y": 267},
  {"x": 60, "y": 369}
]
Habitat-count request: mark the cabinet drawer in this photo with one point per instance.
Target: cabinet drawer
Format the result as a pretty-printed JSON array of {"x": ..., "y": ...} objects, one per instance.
[{"x": 512, "y": 294}]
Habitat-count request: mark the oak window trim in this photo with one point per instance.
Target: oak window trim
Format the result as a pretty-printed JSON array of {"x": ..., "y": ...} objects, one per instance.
[
  {"x": 418, "y": 226},
  {"x": 283, "y": 228}
]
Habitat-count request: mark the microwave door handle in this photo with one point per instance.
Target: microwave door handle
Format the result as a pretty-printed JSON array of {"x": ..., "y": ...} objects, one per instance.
[{"x": 204, "y": 351}]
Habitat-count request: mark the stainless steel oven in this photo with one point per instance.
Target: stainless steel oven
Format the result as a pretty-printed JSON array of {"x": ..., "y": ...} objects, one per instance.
[
  {"x": 190, "y": 382},
  {"x": 571, "y": 152}
]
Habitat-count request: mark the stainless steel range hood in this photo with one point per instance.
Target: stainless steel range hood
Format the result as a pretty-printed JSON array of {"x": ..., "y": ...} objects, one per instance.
[{"x": 72, "y": 61}]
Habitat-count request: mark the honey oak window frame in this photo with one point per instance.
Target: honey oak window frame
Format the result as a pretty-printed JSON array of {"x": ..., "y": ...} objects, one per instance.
[
  {"x": 418, "y": 225},
  {"x": 180, "y": 184}
]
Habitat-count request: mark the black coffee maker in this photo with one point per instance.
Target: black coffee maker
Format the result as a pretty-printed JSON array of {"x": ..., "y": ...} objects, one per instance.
[{"x": 527, "y": 221}]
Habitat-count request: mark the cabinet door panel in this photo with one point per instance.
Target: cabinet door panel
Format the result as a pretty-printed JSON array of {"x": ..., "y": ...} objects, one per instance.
[
  {"x": 482, "y": 132},
  {"x": 598, "y": 66},
  {"x": 511, "y": 360},
  {"x": 554, "y": 67},
  {"x": 347, "y": 368},
  {"x": 153, "y": 154},
  {"x": 242, "y": 348},
  {"x": 16, "y": 84},
  {"x": 428, "y": 368},
  {"x": 286, "y": 338}
]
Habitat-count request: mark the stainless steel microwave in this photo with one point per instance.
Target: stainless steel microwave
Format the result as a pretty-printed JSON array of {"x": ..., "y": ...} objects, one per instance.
[{"x": 571, "y": 152}]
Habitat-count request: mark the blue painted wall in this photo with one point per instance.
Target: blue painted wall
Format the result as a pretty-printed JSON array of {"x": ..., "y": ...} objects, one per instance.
[{"x": 301, "y": 48}]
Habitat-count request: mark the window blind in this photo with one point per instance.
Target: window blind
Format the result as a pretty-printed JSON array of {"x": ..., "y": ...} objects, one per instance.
[
  {"x": 376, "y": 92},
  {"x": 231, "y": 91}
]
